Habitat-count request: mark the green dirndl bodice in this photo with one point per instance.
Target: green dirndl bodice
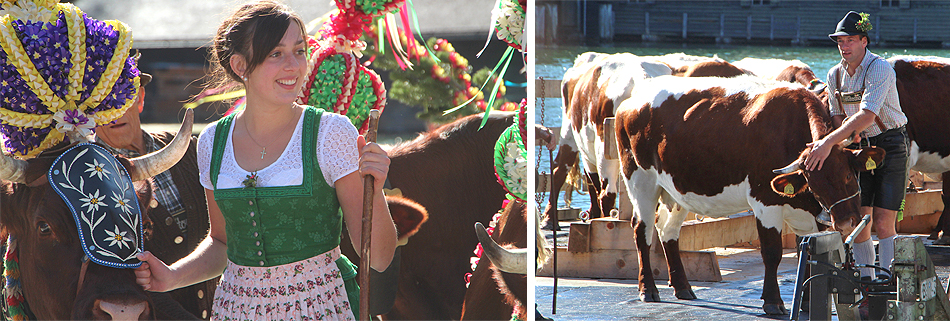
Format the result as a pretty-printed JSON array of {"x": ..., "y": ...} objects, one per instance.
[{"x": 270, "y": 226}]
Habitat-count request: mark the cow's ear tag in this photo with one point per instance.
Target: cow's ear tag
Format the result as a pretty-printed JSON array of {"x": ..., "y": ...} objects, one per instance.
[
  {"x": 789, "y": 189},
  {"x": 870, "y": 164}
]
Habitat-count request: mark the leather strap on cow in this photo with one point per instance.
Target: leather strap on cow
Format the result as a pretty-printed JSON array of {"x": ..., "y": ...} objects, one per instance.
[
  {"x": 82, "y": 273},
  {"x": 837, "y": 94}
]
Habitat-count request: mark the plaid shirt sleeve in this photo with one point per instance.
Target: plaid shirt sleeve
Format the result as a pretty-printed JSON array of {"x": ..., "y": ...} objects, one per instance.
[
  {"x": 879, "y": 82},
  {"x": 831, "y": 86}
]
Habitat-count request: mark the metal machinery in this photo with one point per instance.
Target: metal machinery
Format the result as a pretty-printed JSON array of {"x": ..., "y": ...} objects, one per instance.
[{"x": 828, "y": 274}]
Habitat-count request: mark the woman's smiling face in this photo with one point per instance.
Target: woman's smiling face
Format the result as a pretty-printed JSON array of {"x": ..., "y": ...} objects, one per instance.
[{"x": 279, "y": 77}]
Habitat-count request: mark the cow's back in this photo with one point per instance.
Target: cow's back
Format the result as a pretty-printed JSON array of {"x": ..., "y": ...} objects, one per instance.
[{"x": 922, "y": 88}]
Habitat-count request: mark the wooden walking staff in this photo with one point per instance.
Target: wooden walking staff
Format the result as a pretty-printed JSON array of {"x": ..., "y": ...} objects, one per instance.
[{"x": 367, "y": 230}]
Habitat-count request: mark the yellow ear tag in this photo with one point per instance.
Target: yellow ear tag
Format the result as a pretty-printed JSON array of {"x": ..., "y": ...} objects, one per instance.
[
  {"x": 789, "y": 189},
  {"x": 870, "y": 164}
]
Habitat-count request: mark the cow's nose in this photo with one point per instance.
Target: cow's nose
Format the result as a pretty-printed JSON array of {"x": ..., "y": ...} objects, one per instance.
[
  {"x": 124, "y": 310},
  {"x": 845, "y": 227}
]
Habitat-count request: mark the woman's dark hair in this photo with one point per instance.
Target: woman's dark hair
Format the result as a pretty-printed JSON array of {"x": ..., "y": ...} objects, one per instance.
[{"x": 252, "y": 31}]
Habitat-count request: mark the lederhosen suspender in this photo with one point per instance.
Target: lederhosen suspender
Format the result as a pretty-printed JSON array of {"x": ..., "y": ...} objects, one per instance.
[{"x": 858, "y": 95}]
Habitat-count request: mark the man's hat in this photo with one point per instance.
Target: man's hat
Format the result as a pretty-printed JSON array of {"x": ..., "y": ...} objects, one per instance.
[{"x": 852, "y": 24}]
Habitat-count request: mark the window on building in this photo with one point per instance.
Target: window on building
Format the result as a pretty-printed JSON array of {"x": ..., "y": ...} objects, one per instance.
[
  {"x": 890, "y": 3},
  {"x": 761, "y": 2}
]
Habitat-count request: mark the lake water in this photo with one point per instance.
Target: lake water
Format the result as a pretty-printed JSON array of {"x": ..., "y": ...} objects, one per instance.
[{"x": 552, "y": 62}]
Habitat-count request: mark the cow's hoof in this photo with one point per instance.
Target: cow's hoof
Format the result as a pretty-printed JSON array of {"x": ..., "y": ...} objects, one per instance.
[
  {"x": 685, "y": 294},
  {"x": 775, "y": 309},
  {"x": 653, "y": 296}
]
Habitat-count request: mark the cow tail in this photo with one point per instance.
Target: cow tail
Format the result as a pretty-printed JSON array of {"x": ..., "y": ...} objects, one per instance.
[
  {"x": 627, "y": 161},
  {"x": 574, "y": 178}
]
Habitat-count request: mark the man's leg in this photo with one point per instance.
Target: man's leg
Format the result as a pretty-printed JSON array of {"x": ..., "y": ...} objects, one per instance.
[
  {"x": 863, "y": 246},
  {"x": 885, "y": 225}
]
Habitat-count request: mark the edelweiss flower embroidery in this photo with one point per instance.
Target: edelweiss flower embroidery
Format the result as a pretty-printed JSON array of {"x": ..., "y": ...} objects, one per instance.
[
  {"x": 117, "y": 238},
  {"x": 73, "y": 120},
  {"x": 93, "y": 201},
  {"x": 122, "y": 203},
  {"x": 97, "y": 169}
]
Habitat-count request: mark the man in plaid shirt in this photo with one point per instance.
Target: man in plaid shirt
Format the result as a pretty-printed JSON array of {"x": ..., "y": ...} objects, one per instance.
[
  {"x": 177, "y": 211},
  {"x": 864, "y": 106}
]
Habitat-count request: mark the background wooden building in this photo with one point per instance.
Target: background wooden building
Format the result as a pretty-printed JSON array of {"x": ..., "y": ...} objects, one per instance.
[{"x": 782, "y": 22}]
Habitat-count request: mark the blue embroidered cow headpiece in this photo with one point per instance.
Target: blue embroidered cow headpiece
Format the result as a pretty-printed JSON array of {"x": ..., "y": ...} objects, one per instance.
[{"x": 99, "y": 193}]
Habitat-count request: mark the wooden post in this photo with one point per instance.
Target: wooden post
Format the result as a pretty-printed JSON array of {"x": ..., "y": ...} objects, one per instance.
[
  {"x": 798, "y": 29},
  {"x": 915, "y": 29},
  {"x": 722, "y": 26},
  {"x": 646, "y": 23},
  {"x": 877, "y": 30},
  {"x": 748, "y": 28},
  {"x": 685, "y": 20},
  {"x": 772, "y": 27},
  {"x": 367, "y": 229}
]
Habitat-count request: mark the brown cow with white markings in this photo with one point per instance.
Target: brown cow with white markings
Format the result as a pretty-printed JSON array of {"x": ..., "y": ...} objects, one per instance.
[
  {"x": 922, "y": 84},
  {"x": 709, "y": 146},
  {"x": 793, "y": 71},
  {"x": 590, "y": 92}
]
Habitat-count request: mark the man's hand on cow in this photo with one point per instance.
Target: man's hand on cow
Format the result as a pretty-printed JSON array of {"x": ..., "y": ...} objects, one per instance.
[
  {"x": 373, "y": 161},
  {"x": 819, "y": 152},
  {"x": 546, "y": 137},
  {"x": 153, "y": 275}
]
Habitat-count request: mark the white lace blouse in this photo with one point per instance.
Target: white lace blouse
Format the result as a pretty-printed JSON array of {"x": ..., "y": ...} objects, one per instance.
[{"x": 337, "y": 156}]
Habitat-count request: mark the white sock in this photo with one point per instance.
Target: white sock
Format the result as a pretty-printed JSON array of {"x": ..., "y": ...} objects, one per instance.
[
  {"x": 864, "y": 254},
  {"x": 887, "y": 251}
]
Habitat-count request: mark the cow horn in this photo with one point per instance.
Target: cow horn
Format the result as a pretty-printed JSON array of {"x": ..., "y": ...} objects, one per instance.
[
  {"x": 159, "y": 161},
  {"x": 794, "y": 166},
  {"x": 511, "y": 261},
  {"x": 847, "y": 141},
  {"x": 12, "y": 169}
]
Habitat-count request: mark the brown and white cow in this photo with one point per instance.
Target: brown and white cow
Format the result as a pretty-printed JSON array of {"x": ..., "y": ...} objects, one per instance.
[
  {"x": 679, "y": 63},
  {"x": 709, "y": 146},
  {"x": 793, "y": 71},
  {"x": 922, "y": 84},
  {"x": 50, "y": 257},
  {"x": 714, "y": 69},
  {"x": 590, "y": 92}
]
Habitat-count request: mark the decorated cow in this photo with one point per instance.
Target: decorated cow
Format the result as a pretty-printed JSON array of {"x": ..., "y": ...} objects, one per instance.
[{"x": 73, "y": 215}]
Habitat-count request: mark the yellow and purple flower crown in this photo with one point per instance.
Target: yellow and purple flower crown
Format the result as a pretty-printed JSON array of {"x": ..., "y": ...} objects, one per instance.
[{"x": 61, "y": 73}]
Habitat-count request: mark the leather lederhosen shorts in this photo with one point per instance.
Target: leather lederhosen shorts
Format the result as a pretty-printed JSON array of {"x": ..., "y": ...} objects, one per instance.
[{"x": 886, "y": 185}]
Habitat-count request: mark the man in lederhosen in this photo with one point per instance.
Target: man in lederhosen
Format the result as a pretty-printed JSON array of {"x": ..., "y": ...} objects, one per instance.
[{"x": 864, "y": 105}]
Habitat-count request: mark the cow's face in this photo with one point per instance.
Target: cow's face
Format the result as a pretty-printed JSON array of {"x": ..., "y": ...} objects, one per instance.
[
  {"x": 834, "y": 186},
  {"x": 50, "y": 260},
  {"x": 56, "y": 283}
]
